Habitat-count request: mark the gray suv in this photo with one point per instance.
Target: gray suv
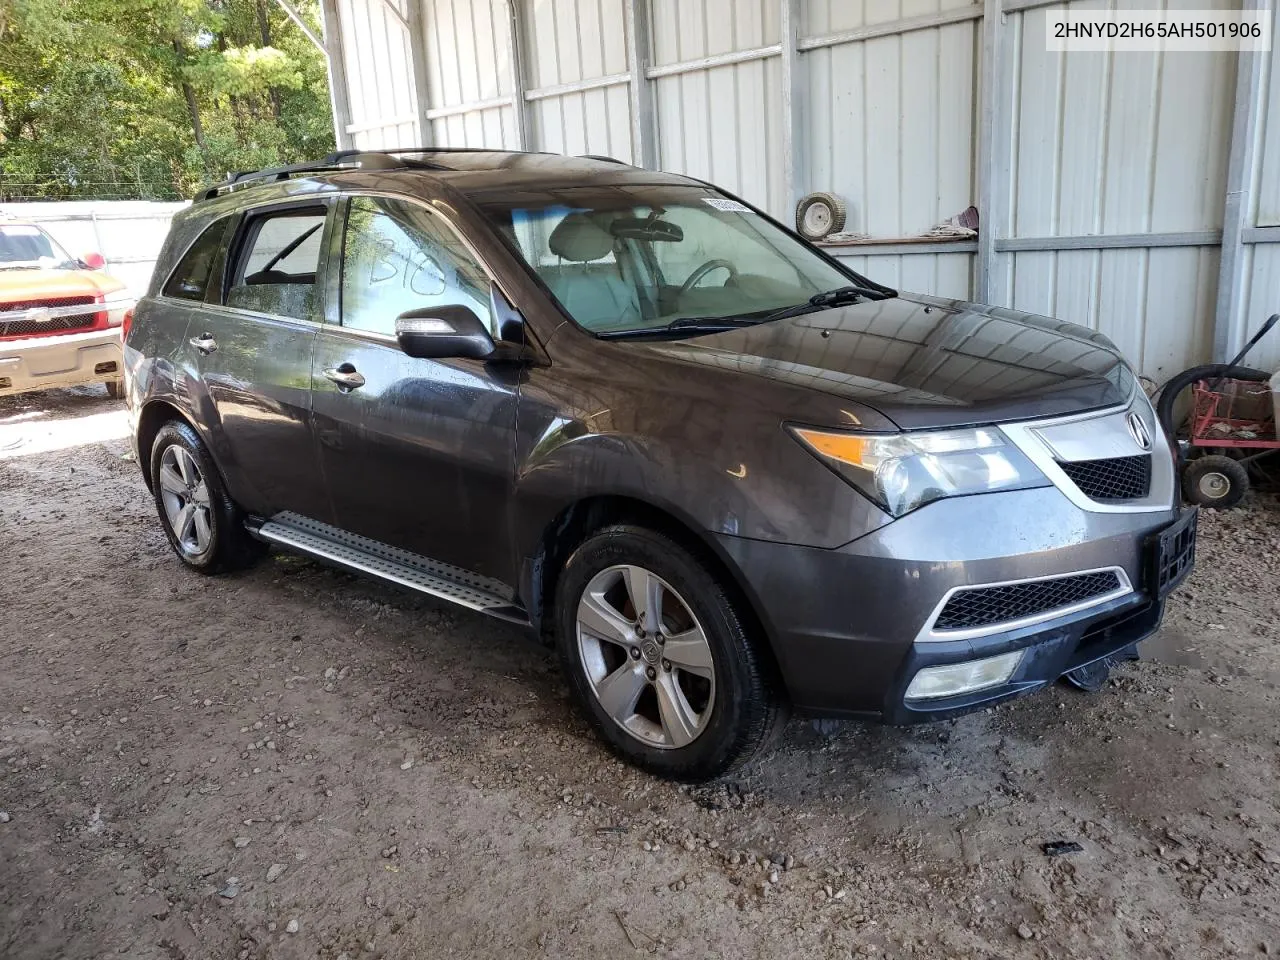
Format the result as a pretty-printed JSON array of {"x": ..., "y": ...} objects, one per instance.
[{"x": 720, "y": 471}]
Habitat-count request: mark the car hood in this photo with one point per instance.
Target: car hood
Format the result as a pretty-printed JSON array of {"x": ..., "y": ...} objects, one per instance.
[
  {"x": 926, "y": 362},
  {"x": 21, "y": 286}
]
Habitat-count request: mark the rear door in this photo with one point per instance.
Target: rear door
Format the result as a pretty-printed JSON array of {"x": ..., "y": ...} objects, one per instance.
[
  {"x": 252, "y": 343},
  {"x": 417, "y": 453}
]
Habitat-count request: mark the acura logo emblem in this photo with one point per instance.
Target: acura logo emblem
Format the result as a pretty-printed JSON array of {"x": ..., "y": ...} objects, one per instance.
[
  {"x": 1138, "y": 430},
  {"x": 40, "y": 316}
]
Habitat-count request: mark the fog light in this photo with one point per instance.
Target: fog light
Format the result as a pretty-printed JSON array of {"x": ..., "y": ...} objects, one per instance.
[{"x": 956, "y": 678}]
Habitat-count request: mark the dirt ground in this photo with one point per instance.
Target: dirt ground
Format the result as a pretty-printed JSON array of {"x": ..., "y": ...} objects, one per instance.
[{"x": 294, "y": 762}]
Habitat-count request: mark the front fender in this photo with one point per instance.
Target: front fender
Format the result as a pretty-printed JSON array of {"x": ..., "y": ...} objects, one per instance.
[{"x": 745, "y": 480}]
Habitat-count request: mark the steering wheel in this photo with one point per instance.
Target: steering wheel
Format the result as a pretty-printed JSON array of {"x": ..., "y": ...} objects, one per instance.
[{"x": 706, "y": 268}]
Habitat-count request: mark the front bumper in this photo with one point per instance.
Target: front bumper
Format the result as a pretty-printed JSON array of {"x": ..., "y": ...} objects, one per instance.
[
  {"x": 849, "y": 626},
  {"x": 65, "y": 360}
]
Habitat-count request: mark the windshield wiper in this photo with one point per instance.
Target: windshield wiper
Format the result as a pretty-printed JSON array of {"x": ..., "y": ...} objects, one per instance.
[
  {"x": 839, "y": 297},
  {"x": 819, "y": 301},
  {"x": 691, "y": 325}
]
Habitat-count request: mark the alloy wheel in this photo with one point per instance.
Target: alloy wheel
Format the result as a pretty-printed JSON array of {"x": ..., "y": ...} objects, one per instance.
[
  {"x": 185, "y": 495},
  {"x": 646, "y": 656}
]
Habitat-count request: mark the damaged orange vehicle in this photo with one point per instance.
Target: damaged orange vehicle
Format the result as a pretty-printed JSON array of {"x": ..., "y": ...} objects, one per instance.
[{"x": 60, "y": 316}]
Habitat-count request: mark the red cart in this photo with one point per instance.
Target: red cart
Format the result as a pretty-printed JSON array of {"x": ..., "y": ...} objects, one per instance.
[{"x": 1229, "y": 415}]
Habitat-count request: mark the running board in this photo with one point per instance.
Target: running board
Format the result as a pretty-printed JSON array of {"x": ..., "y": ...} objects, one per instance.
[{"x": 377, "y": 559}]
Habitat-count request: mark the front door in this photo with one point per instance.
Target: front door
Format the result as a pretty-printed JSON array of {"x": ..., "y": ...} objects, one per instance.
[
  {"x": 417, "y": 453},
  {"x": 253, "y": 348}
]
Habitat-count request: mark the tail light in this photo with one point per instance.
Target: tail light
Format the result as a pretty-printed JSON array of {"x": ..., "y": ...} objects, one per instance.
[{"x": 125, "y": 324}]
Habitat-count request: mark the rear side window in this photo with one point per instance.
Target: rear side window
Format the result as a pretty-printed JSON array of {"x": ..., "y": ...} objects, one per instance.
[
  {"x": 190, "y": 279},
  {"x": 275, "y": 273}
]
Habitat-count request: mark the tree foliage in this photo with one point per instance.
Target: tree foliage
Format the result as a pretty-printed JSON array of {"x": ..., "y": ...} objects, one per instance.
[{"x": 150, "y": 98}]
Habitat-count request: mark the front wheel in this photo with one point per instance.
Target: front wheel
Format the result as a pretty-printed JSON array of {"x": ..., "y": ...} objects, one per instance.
[{"x": 658, "y": 656}]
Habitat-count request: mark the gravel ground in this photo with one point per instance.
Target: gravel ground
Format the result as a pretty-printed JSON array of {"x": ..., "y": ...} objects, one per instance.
[{"x": 294, "y": 762}]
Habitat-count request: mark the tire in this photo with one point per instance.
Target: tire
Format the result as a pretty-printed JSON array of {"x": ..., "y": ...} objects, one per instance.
[
  {"x": 115, "y": 389},
  {"x": 1215, "y": 481},
  {"x": 1173, "y": 389},
  {"x": 836, "y": 223},
  {"x": 220, "y": 543},
  {"x": 731, "y": 713}
]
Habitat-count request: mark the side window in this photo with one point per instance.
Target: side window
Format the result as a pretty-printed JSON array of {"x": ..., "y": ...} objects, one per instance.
[
  {"x": 396, "y": 257},
  {"x": 190, "y": 278},
  {"x": 277, "y": 259}
]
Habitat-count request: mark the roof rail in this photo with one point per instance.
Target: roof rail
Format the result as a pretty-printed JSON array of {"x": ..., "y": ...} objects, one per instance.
[
  {"x": 396, "y": 151},
  {"x": 603, "y": 157},
  {"x": 336, "y": 161}
]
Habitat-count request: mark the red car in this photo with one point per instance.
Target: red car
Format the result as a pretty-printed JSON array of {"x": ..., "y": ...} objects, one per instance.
[{"x": 60, "y": 316}]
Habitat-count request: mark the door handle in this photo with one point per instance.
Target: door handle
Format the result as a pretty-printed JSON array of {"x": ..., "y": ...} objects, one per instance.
[
  {"x": 345, "y": 376},
  {"x": 204, "y": 343}
]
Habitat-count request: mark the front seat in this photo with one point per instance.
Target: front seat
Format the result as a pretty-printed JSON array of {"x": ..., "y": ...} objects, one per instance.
[{"x": 596, "y": 296}]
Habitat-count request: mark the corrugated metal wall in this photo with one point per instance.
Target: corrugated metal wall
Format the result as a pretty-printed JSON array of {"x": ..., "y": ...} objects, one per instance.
[
  {"x": 576, "y": 41},
  {"x": 1109, "y": 145},
  {"x": 1106, "y": 174}
]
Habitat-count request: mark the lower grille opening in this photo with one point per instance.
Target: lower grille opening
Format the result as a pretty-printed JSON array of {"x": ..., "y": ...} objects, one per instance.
[
  {"x": 983, "y": 606},
  {"x": 108, "y": 367},
  {"x": 1113, "y": 479}
]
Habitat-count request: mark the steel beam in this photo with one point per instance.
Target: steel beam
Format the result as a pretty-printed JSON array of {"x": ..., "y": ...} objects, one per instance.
[
  {"x": 719, "y": 60},
  {"x": 1229, "y": 322},
  {"x": 644, "y": 125},
  {"x": 339, "y": 92},
  {"x": 395, "y": 12},
  {"x": 893, "y": 27},
  {"x": 1114, "y": 241},
  {"x": 794, "y": 131},
  {"x": 1260, "y": 235},
  {"x": 991, "y": 220},
  {"x": 296, "y": 17},
  {"x": 417, "y": 28},
  {"x": 515, "y": 37},
  {"x": 890, "y": 248},
  {"x": 437, "y": 113},
  {"x": 578, "y": 86}
]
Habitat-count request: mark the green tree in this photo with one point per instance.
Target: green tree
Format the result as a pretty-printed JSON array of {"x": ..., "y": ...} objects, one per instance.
[{"x": 150, "y": 98}]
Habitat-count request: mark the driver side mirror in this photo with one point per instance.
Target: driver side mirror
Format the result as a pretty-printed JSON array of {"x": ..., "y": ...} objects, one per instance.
[
  {"x": 434, "y": 333},
  {"x": 94, "y": 261}
]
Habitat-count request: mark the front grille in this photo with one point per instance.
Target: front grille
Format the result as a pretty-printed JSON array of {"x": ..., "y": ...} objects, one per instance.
[
  {"x": 34, "y": 328},
  {"x": 982, "y": 606},
  {"x": 1117, "y": 478}
]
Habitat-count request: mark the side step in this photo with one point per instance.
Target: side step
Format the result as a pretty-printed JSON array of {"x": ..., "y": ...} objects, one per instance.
[{"x": 377, "y": 559}]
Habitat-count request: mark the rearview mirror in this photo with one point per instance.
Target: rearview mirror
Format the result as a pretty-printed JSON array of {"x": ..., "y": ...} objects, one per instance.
[
  {"x": 646, "y": 228},
  {"x": 94, "y": 261},
  {"x": 434, "y": 333}
]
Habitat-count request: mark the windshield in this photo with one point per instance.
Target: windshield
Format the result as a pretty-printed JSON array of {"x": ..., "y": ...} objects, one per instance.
[
  {"x": 25, "y": 247},
  {"x": 640, "y": 257}
]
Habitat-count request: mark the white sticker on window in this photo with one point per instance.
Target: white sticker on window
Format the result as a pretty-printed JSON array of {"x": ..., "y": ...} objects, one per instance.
[{"x": 727, "y": 206}]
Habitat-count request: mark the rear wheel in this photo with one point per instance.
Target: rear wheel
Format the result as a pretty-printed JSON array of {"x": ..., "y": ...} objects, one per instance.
[
  {"x": 1215, "y": 481},
  {"x": 658, "y": 656},
  {"x": 204, "y": 526}
]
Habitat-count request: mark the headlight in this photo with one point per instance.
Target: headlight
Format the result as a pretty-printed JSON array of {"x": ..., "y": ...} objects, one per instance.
[
  {"x": 117, "y": 304},
  {"x": 903, "y": 471}
]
